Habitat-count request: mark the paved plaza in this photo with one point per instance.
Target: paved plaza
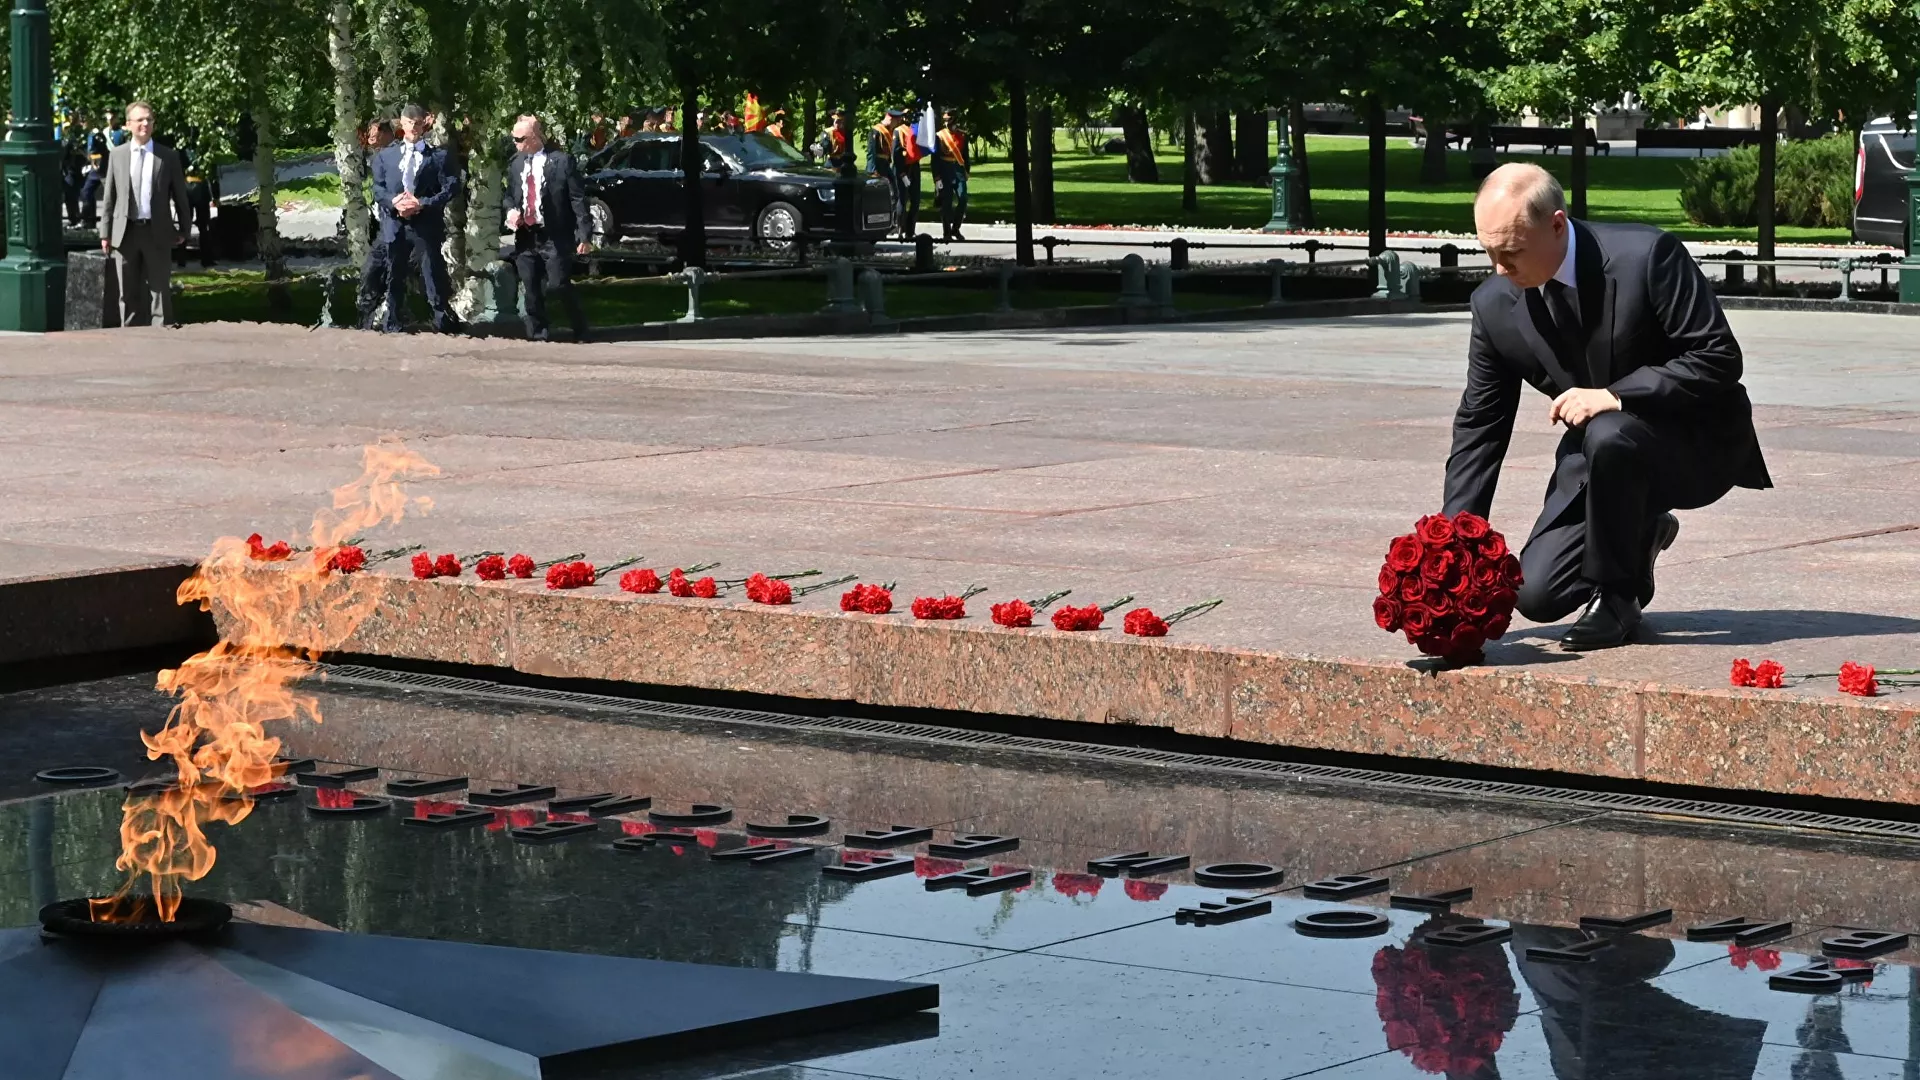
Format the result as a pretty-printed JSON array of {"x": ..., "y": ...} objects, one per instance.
[{"x": 1265, "y": 463}]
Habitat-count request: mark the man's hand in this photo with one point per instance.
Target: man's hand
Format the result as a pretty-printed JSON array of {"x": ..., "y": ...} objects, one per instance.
[
  {"x": 1575, "y": 407},
  {"x": 106, "y": 246},
  {"x": 513, "y": 219},
  {"x": 583, "y": 249}
]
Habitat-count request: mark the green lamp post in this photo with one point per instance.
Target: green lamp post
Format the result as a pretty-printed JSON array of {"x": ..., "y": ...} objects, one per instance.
[
  {"x": 1281, "y": 176},
  {"x": 33, "y": 276},
  {"x": 1910, "y": 266}
]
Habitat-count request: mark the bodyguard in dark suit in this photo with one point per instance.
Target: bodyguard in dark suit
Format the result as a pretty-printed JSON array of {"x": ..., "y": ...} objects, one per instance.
[
  {"x": 546, "y": 207},
  {"x": 1619, "y": 327},
  {"x": 412, "y": 183}
]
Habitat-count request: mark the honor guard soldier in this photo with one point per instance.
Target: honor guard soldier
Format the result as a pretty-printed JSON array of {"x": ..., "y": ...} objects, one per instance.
[
  {"x": 950, "y": 169},
  {"x": 883, "y": 155},
  {"x": 835, "y": 148},
  {"x": 910, "y": 154}
]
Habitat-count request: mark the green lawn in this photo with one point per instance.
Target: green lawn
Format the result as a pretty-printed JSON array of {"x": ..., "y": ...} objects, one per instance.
[
  {"x": 240, "y": 296},
  {"x": 1092, "y": 190}
]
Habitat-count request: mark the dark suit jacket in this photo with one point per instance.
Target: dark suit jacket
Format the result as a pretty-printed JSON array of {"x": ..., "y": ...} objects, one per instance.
[
  {"x": 433, "y": 184},
  {"x": 1655, "y": 334},
  {"x": 563, "y": 198}
]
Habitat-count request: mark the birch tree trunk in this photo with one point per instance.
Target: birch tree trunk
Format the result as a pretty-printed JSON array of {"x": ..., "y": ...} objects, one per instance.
[
  {"x": 383, "y": 21},
  {"x": 347, "y": 158},
  {"x": 266, "y": 176}
]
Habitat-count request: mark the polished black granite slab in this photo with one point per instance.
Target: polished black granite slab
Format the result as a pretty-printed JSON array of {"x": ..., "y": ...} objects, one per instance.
[{"x": 1070, "y": 972}]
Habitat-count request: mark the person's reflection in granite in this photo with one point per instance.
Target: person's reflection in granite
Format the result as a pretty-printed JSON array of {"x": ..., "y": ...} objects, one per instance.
[
  {"x": 1448, "y": 1010},
  {"x": 1823, "y": 1037},
  {"x": 1603, "y": 1022}
]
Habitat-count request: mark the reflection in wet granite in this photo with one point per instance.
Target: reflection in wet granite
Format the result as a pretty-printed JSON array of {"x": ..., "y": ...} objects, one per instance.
[{"x": 1073, "y": 972}]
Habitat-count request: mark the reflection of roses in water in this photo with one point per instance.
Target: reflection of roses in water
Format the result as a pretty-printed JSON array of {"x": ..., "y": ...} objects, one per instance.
[{"x": 1448, "y": 1010}]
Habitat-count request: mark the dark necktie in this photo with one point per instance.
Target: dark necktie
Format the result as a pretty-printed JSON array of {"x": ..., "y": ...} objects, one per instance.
[{"x": 1566, "y": 316}]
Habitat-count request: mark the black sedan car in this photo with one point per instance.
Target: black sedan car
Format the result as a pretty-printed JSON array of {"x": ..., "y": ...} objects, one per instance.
[
  {"x": 758, "y": 189},
  {"x": 1880, "y": 183}
]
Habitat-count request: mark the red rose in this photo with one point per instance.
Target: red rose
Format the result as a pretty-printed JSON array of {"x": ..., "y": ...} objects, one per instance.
[
  {"x": 491, "y": 568},
  {"x": 1462, "y": 581},
  {"x": 1496, "y": 624},
  {"x": 1412, "y": 588},
  {"x": 520, "y": 566},
  {"x": 1858, "y": 680},
  {"x": 1013, "y": 613},
  {"x": 706, "y": 588},
  {"x": 640, "y": 581},
  {"x": 1742, "y": 674},
  {"x": 1142, "y": 622},
  {"x": 1493, "y": 546},
  {"x": 1769, "y": 675},
  {"x": 939, "y": 607},
  {"x": 347, "y": 560},
  {"x": 1079, "y": 618},
  {"x": 1435, "y": 530},
  {"x": 1439, "y": 602},
  {"x": 1502, "y": 599},
  {"x": 1439, "y": 566},
  {"x": 447, "y": 565},
  {"x": 1469, "y": 526},
  {"x": 1405, "y": 553},
  {"x": 1486, "y": 575},
  {"x": 1416, "y": 620},
  {"x": 1465, "y": 642},
  {"x": 1386, "y": 612},
  {"x": 1510, "y": 571},
  {"x": 871, "y": 599},
  {"x": 423, "y": 566},
  {"x": 1389, "y": 581},
  {"x": 677, "y": 583},
  {"x": 1474, "y": 605}
]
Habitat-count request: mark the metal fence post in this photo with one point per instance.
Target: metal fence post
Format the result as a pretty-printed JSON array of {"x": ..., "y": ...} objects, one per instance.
[
  {"x": 1276, "y": 270},
  {"x": 1003, "y": 289},
  {"x": 1133, "y": 282},
  {"x": 873, "y": 294},
  {"x": 1177, "y": 253},
  {"x": 840, "y": 296},
  {"x": 1386, "y": 267},
  {"x": 1160, "y": 289},
  {"x": 695, "y": 277}
]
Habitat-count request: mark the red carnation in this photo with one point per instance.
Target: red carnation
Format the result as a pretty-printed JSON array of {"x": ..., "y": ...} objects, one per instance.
[
  {"x": 570, "y": 575},
  {"x": 1142, "y": 622},
  {"x": 520, "y": 566},
  {"x": 870, "y": 599},
  {"x": 706, "y": 588},
  {"x": 762, "y": 589},
  {"x": 1470, "y": 527},
  {"x": 1768, "y": 675},
  {"x": 1079, "y": 618},
  {"x": 347, "y": 560},
  {"x": 1742, "y": 674},
  {"x": 278, "y": 551},
  {"x": 1858, "y": 680},
  {"x": 1013, "y": 614},
  {"x": 447, "y": 565},
  {"x": 640, "y": 581},
  {"x": 1405, "y": 553},
  {"x": 491, "y": 568},
  {"x": 423, "y": 566},
  {"x": 939, "y": 607},
  {"x": 1434, "y": 530},
  {"x": 677, "y": 583},
  {"x": 1141, "y": 889},
  {"x": 1386, "y": 613}
]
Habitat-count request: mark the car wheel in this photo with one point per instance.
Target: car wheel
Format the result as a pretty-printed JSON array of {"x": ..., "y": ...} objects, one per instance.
[
  {"x": 777, "y": 225},
  {"x": 602, "y": 215}
]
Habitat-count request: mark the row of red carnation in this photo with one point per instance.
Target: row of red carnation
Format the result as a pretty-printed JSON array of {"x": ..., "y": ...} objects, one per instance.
[
  {"x": 1860, "y": 680},
  {"x": 572, "y": 572}
]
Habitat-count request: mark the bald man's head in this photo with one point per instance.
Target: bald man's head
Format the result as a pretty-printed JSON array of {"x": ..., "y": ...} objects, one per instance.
[{"x": 1521, "y": 217}]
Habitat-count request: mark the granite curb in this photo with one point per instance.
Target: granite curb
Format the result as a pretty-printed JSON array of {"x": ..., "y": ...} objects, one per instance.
[{"x": 1768, "y": 741}]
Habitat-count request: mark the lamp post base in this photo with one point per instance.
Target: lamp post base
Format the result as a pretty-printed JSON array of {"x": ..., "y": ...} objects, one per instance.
[{"x": 33, "y": 295}]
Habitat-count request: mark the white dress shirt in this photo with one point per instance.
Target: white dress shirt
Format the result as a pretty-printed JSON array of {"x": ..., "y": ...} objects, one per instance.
[
  {"x": 1566, "y": 275},
  {"x": 537, "y": 166},
  {"x": 409, "y": 164},
  {"x": 140, "y": 175}
]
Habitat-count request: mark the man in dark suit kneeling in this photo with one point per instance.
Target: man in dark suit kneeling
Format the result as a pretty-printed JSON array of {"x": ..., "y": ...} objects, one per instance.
[
  {"x": 1619, "y": 327},
  {"x": 546, "y": 207}
]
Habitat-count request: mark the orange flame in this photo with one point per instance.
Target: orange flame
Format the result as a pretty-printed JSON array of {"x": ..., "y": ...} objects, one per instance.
[{"x": 276, "y": 620}]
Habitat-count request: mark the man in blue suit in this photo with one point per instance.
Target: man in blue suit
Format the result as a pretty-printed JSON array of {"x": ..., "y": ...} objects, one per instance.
[{"x": 413, "y": 182}]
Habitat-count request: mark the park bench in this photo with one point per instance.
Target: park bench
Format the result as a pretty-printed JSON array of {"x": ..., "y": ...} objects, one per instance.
[
  {"x": 1547, "y": 138},
  {"x": 1700, "y": 139}
]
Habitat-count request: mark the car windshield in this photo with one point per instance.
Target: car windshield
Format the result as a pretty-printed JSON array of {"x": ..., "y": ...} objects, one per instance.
[{"x": 757, "y": 150}]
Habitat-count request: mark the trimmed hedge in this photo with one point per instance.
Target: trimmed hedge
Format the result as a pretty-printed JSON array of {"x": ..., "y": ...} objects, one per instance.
[{"x": 1812, "y": 185}]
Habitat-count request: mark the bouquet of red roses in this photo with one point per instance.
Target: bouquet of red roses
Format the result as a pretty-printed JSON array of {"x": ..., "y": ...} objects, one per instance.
[{"x": 1450, "y": 584}]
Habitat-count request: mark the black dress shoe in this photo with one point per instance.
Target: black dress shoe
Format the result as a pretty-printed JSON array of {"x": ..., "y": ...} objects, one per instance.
[
  {"x": 1665, "y": 528},
  {"x": 1609, "y": 619}
]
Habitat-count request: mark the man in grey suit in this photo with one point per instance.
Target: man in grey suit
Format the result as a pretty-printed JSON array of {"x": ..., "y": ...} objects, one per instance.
[{"x": 144, "y": 214}]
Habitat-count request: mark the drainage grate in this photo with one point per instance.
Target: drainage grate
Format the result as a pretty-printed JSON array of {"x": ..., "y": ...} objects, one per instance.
[{"x": 356, "y": 675}]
